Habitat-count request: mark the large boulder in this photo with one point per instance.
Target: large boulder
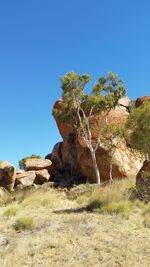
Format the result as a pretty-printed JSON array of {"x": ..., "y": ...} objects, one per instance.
[
  {"x": 72, "y": 157},
  {"x": 25, "y": 178},
  {"x": 140, "y": 100},
  {"x": 33, "y": 164},
  {"x": 143, "y": 182},
  {"x": 125, "y": 162},
  {"x": 118, "y": 115},
  {"x": 64, "y": 128},
  {"x": 28, "y": 178},
  {"x": 42, "y": 176},
  {"x": 7, "y": 175}
]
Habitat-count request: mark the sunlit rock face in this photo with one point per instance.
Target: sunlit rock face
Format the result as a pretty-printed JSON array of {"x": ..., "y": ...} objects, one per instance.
[{"x": 71, "y": 158}]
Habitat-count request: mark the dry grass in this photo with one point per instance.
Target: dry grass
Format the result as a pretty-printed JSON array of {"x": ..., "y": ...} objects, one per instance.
[
  {"x": 112, "y": 199},
  {"x": 11, "y": 210},
  {"x": 53, "y": 230}
]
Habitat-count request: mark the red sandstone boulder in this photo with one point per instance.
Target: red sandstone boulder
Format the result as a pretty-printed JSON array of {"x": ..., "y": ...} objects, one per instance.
[
  {"x": 140, "y": 100},
  {"x": 25, "y": 178},
  {"x": 7, "y": 175},
  {"x": 73, "y": 156},
  {"x": 33, "y": 164},
  {"x": 64, "y": 128},
  {"x": 42, "y": 176},
  {"x": 118, "y": 115},
  {"x": 125, "y": 162}
]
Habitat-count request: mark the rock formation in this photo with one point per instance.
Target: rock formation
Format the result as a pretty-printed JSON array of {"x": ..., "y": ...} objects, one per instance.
[
  {"x": 140, "y": 100},
  {"x": 143, "y": 182},
  {"x": 72, "y": 160},
  {"x": 36, "y": 172},
  {"x": 31, "y": 164},
  {"x": 7, "y": 175}
]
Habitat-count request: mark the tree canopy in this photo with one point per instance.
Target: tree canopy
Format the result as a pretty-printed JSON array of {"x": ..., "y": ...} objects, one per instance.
[
  {"x": 139, "y": 125},
  {"x": 78, "y": 106},
  {"x": 103, "y": 97}
]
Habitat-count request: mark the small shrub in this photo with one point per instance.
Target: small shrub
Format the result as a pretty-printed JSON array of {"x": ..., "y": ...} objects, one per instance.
[
  {"x": 111, "y": 199},
  {"x": 82, "y": 199},
  {"x": 24, "y": 223},
  {"x": 95, "y": 205},
  {"x": 123, "y": 208},
  {"x": 11, "y": 210}
]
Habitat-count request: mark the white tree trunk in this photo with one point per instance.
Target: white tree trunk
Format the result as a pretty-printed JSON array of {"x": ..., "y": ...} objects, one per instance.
[
  {"x": 97, "y": 173},
  {"x": 110, "y": 171}
]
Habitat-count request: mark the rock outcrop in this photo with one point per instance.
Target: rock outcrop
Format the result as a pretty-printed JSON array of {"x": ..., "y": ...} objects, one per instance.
[
  {"x": 140, "y": 100},
  {"x": 36, "y": 172},
  {"x": 143, "y": 182},
  {"x": 72, "y": 160},
  {"x": 26, "y": 178},
  {"x": 32, "y": 164},
  {"x": 7, "y": 175}
]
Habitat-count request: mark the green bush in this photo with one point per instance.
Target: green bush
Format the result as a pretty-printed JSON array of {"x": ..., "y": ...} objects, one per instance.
[
  {"x": 112, "y": 199},
  {"x": 123, "y": 208},
  {"x": 24, "y": 223}
]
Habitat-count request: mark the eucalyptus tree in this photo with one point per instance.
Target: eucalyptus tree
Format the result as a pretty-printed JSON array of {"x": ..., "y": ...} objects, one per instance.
[{"x": 80, "y": 106}]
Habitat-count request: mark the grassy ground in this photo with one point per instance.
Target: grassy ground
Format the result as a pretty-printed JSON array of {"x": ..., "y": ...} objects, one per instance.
[{"x": 88, "y": 226}]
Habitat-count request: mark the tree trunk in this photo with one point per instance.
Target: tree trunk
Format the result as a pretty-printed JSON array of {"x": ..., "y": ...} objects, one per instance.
[
  {"x": 110, "y": 171},
  {"x": 97, "y": 173}
]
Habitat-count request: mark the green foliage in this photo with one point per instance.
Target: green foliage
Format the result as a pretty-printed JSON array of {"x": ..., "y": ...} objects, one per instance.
[
  {"x": 24, "y": 223},
  {"x": 123, "y": 208},
  {"x": 112, "y": 199},
  {"x": 22, "y": 161},
  {"x": 104, "y": 95},
  {"x": 139, "y": 125},
  {"x": 77, "y": 106},
  {"x": 111, "y": 131},
  {"x": 107, "y": 91}
]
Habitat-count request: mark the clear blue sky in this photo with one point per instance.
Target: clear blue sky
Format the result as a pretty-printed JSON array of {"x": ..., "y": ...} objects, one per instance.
[{"x": 40, "y": 40}]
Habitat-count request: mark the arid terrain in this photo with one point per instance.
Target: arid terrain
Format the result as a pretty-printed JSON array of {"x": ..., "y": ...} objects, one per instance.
[{"x": 86, "y": 226}]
